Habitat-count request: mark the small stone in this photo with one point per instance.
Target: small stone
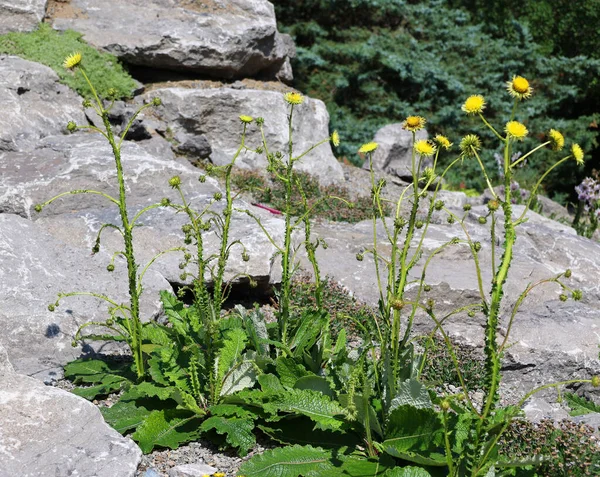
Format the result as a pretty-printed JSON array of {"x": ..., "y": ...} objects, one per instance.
[{"x": 192, "y": 470}]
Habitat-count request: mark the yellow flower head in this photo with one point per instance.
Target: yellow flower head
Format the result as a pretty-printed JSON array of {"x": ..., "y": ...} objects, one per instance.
[
  {"x": 219, "y": 474},
  {"x": 519, "y": 88},
  {"x": 424, "y": 148},
  {"x": 470, "y": 144},
  {"x": 443, "y": 141},
  {"x": 577, "y": 153},
  {"x": 335, "y": 138},
  {"x": 516, "y": 130},
  {"x": 414, "y": 123},
  {"x": 368, "y": 147},
  {"x": 246, "y": 119},
  {"x": 474, "y": 104},
  {"x": 72, "y": 61},
  {"x": 293, "y": 98},
  {"x": 557, "y": 140}
]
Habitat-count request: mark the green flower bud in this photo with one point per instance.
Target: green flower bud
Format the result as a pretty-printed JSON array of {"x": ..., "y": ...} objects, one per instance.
[
  {"x": 186, "y": 229},
  {"x": 259, "y": 150},
  {"x": 71, "y": 126},
  {"x": 278, "y": 155},
  {"x": 419, "y": 224},
  {"x": 397, "y": 303},
  {"x": 427, "y": 288},
  {"x": 259, "y": 121},
  {"x": 568, "y": 273},
  {"x": 493, "y": 205},
  {"x": 471, "y": 314},
  {"x": 202, "y": 179},
  {"x": 86, "y": 103},
  {"x": 110, "y": 322},
  {"x": 253, "y": 283},
  {"x": 96, "y": 248},
  {"x": 482, "y": 220},
  {"x": 360, "y": 257},
  {"x": 439, "y": 205},
  {"x": 51, "y": 307},
  {"x": 74, "y": 344},
  {"x": 187, "y": 256},
  {"x": 563, "y": 297},
  {"x": 245, "y": 256},
  {"x": 596, "y": 381},
  {"x": 430, "y": 303},
  {"x": 477, "y": 246},
  {"x": 445, "y": 405},
  {"x": 112, "y": 93},
  {"x": 399, "y": 223},
  {"x": 577, "y": 295},
  {"x": 175, "y": 181},
  {"x": 38, "y": 208},
  {"x": 183, "y": 277},
  {"x": 467, "y": 207},
  {"x": 217, "y": 196},
  {"x": 156, "y": 101},
  {"x": 110, "y": 267},
  {"x": 187, "y": 240},
  {"x": 450, "y": 219},
  {"x": 209, "y": 168},
  {"x": 165, "y": 202},
  {"x": 324, "y": 244}
]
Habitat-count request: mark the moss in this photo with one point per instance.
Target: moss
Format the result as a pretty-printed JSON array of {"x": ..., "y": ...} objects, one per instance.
[{"x": 50, "y": 48}]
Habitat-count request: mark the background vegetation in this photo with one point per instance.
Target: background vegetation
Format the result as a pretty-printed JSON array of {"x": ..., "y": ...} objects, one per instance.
[{"x": 373, "y": 62}]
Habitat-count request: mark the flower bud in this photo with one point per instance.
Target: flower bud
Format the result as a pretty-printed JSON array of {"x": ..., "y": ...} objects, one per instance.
[
  {"x": 181, "y": 265},
  {"x": 86, "y": 103},
  {"x": 110, "y": 267},
  {"x": 259, "y": 150},
  {"x": 445, "y": 405},
  {"x": 568, "y": 273},
  {"x": 427, "y": 288},
  {"x": 74, "y": 344},
  {"x": 439, "y": 205},
  {"x": 563, "y": 297},
  {"x": 186, "y": 229},
  {"x": 324, "y": 244},
  {"x": 493, "y": 205},
  {"x": 450, "y": 219},
  {"x": 202, "y": 179},
  {"x": 165, "y": 202},
  {"x": 110, "y": 322},
  {"x": 397, "y": 303},
  {"x": 477, "y": 246},
  {"x": 245, "y": 256},
  {"x": 71, "y": 126},
  {"x": 259, "y": 121},
  {"x": 360, "y": 257},
  {"x": 596, "y": 381},
  {"x": 156, "y": 101},
  {"x": 51, "y": 307},
  {"x": 253, "y": 283},
  {"x": 471, "y": 314},
  {"x": 183, "y": 277},
  {"x": 217, "y": 196},
  {"x": 38, "y": 208},
  {"x": 482, "y": 220},
  {"x": 467, "y": 207},
  {"x": 577, "y": 295},
  {"x": 430, "y": 303},
  {"x": 419, "y": 224},
  {"x": 96, "y": 248},
  {"x": 175, "y": 181}
]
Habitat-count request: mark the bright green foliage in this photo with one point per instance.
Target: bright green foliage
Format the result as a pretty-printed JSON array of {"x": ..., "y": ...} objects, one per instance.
[
  {"x": 401, "y": 58},
  {"x": 51, "y": 47},
  {"x": 125, "y": 415},
  {"x": 407, "y": 472},
  {"x": 292, "y": 461},
  {"x": 580, "y": 405},
  {"x": 238, "y": 431},
  {"x": 166, "y": 428},
  {"x": 105, "y": 376}
]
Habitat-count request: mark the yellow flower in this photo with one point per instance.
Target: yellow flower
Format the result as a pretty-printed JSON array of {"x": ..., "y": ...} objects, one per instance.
[
  {"x": 293, "y": 98},
  {"x": 424, "y": 148},
  {"x": 246, "y": 119},
  {"x": 557, "y": 140},
  {"x": 335, "y": 138},
  {"x": 577, "y": 153},
  {"x": 474, "y": 104},
  {"x": 519, "y": 87},
  {"x": 368, "y": 147},
  {"x": 470, "y": 144},
  {"x": 516, "y": 130},
  {"x": 443, "y": 141},
  {"x": 72, "y": 61},
  {"x": 414, "y": 123},
  {"x": 219, "y": 474}
]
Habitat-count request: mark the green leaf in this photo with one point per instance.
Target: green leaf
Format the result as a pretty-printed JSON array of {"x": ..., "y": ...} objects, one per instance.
[
  {"x": 359, "y": 466},
  {"x": 241, "y": 377},
  {"x": 316, "y": 383},
  {"x": 360, "y": 412},
  {"x": 407, "y": 472},
  {"x": 125, "y": 415},
  {"x": 580, "y": 405},
  {"x": 415, "y": 435},
  {"x": 269, "y": 383},
  {"x": 110, "y": 383},
  {"x": 229, "y": 354},
  {"x": 156, "y": 335},
  {"x": 302, "y": 431},
  {"x": 176, "y": 312},
  {"x": 254, "y": 322},
  {"x": 289, "y": 371},
  {"x": 308, "y": 331},
  {"x": 95, "y": 370},
  {"x": 318, "y": 407},
  {"x": 188, "y": 402},
  {"x": 230, "y": 410},
  {"x": 411, "y": 392},
  {"x": 148, "y": 390},
  {"x": 238, "y": 431},
  {"x": 167, "y": 428},
  {"x": 292, "y": 461}
]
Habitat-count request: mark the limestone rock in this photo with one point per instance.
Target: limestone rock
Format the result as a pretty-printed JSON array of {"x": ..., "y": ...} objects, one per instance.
[
  {"x": 191, "y": 470},
  {"x": 48, "y": 431},
  {"x": 21, "y": 15},
  {"x": 214, "y": 113},
  {"x": 34, "y": 104},
  {"x": 394, "y": 154},
  {"x": 219, "y": 38}
]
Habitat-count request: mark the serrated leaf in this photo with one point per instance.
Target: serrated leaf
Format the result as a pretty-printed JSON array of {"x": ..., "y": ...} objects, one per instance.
[
  {"x": 188, "y": 402},
  {"x": 175, "y": 311},
  {"x": 289, "y": 371},
  {"x": 360, "y": 412},
  {"x": 254, "y": 322},
  {"x": 308, "y": 331},
  {"x": 166, "y": 428},
  {"x": 407, "y": 472},
  {"x": 292, "y": 461},
  {"x": 302, "y": 431},
  {"x": 148, "y": 390},
  {"x": 270, "y": 383},
  {"x": 415, "y": 435},
  {"x": 229, "y": 353},
  {"x": 580, "y": 405},
  {"x": 241, "y": 377},
  {"x": 238, "y": 431},
  {"x": 411, "y": 392},
  {"x": 230, "y": 410},
  {"x": 95, "y": 370},
  {"x": 312, "y": 404},
  {"x": 110, "y": 384},
  {"x": 125, "y": 415},
  {"x": 156, "y": 335},
  {"x": 359, "y": 466},
  {"x": 315, "y": 383}
]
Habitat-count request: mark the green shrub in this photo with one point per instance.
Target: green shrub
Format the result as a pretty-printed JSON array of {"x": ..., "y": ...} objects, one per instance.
[{"x": 50, "y": 47}]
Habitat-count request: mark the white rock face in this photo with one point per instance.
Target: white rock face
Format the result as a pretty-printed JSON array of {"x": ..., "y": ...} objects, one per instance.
[
  {"x": 21, "y": 15},
  {"x": 47, "y": 431},
  {"x": 218, "y": 38}
]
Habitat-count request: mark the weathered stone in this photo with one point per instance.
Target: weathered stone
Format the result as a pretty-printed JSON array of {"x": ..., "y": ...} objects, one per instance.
[
  {"x": 215, "y": 112},
  {"x": 48, "y": 431},
  {"x": 21, "y": 15},
  {"x": 221, "y": 39},
  {"x": 34, "y": 104},
  {"x": 394, "y": 154},
  {"x": 191, "y": 470}
]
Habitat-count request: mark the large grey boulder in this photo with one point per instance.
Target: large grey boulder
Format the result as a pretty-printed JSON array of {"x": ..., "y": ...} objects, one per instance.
[
  {"x": 34, "y": 104},
  {"x": 21, "y": 15},
  {"x": 48, "y": 431},
  {"x": 394, "y": 154},
  {"x": 221, "y": 39},
  {"x": 214, "y": 113},
  {"x": 550, "y": 340}
]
